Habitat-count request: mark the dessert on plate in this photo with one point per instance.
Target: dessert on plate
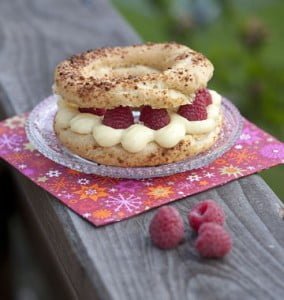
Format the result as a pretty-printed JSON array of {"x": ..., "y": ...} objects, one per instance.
[{"x": 137, "y": 106}]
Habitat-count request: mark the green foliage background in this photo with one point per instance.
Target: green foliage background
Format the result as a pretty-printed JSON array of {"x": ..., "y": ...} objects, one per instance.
[{"x": 243, "y": 39}]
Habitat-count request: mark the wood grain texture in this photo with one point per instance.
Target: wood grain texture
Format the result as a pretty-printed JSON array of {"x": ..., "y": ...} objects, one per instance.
[{"x": 118, "y": 261}]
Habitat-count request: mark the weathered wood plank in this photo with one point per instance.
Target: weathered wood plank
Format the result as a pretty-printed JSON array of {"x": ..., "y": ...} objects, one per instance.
[{"x": 118, "y": 261}]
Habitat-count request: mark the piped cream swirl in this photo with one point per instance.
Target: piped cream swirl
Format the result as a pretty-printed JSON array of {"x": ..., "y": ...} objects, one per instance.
[{"x": 136, "y": 137}]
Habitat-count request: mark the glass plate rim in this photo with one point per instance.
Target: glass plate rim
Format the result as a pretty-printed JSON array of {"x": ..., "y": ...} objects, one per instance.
[{"x": 75, "y": 162}]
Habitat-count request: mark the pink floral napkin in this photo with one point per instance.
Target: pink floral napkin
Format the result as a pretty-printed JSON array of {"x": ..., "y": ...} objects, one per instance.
[{"x": 103, "y": 200}]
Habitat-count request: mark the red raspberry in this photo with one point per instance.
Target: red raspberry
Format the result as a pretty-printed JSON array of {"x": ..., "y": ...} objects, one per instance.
[
  {"x": 195, "y": 111},
  {"x": 119, "y": 117},
  {"x": 95, "y": 111},
  {"x": 154, "y": 118},
  {"x": 213, "y": 241},
  {"x": 166, "y": 228},
  {"x": 203, "y": 95},
  {"x": 206, "y": 211}
]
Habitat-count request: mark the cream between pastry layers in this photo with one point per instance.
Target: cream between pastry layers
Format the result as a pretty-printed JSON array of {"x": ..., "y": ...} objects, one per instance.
[
  {"x": 137, "y": 136},
  {"x": 141, "y": 105}
]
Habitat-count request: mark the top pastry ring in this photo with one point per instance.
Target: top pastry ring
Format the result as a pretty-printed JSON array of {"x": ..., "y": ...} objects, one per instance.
[{"x": 161, "y": 75}]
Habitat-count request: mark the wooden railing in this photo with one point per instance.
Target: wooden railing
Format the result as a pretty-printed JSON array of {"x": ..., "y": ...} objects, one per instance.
[{"x": 118, "y": 261}]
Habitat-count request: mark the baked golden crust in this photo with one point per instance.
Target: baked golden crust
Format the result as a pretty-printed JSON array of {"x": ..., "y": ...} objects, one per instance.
[
  {"x": 160, "y": 75},
  {"x": 153, "y": 155}
]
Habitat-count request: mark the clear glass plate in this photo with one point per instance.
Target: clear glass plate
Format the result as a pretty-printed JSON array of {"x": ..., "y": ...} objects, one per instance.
[{"x": 40, "y": 132}]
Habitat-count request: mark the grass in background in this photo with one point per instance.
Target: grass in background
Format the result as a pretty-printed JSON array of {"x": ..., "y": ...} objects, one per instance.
[{"x": 244, "y": 40}]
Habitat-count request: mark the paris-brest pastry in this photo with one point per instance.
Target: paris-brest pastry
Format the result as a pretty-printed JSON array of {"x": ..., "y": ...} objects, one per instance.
[{"x": 141, "y": 105}]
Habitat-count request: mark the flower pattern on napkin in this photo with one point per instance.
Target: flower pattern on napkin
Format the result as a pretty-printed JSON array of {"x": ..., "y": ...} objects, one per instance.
[{"x": 102, "y": 200}]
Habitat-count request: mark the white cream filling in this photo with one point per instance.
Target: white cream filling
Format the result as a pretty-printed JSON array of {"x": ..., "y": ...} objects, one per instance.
[{"x": 137, "y": 136}]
